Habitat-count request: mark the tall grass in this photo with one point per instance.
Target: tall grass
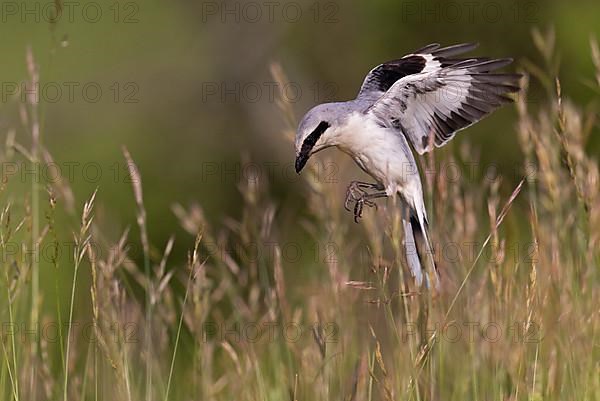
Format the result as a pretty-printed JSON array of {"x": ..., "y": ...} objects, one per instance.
[{"x": 517, "y": 319}]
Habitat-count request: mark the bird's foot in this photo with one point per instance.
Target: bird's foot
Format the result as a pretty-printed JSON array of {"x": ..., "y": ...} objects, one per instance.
[
  {"x": 357, "y": 193},
  {"x": 356, "y": 190}
]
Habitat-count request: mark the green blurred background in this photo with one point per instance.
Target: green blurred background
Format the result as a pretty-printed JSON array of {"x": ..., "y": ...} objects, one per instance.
[{"x": 186, "y": 87}]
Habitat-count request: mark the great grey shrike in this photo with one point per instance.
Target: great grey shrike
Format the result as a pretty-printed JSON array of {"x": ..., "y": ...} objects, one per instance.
[{"x": 418, "y": 101}]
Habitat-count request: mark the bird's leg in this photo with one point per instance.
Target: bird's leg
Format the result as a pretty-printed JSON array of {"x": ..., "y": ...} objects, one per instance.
[
  {"x": 366, "y": 200},
  {"x": 358, "y": 192}
]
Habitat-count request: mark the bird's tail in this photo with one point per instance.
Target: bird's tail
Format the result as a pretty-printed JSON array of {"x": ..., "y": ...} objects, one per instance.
[{"x": 419, "y": 251}]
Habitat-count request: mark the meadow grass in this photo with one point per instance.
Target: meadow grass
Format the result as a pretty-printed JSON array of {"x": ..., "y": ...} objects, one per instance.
[{"x": 517, "y": 318}]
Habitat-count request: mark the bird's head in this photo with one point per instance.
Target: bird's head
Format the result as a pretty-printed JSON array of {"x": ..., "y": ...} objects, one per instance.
[{"x": 313, "y": 134}]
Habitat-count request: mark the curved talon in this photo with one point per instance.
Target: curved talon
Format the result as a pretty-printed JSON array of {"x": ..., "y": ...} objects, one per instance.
[{"x": 358, "y": 207}]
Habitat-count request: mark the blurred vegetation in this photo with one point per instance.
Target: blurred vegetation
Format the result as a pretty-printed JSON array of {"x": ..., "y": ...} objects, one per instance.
[{"x": 287, "y": 251}]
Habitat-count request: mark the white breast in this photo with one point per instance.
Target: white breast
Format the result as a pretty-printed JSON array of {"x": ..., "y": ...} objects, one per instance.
[{"x": 381, "y": 152}]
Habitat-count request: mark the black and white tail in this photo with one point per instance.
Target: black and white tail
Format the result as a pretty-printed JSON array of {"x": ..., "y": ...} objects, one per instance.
[{"x": 419, "y": 251}]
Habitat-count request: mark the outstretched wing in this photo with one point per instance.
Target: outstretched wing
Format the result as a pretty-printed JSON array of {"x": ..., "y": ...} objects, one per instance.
[
  {"x": 447, "y": 95},
  {"x": 381, "y": 78}
]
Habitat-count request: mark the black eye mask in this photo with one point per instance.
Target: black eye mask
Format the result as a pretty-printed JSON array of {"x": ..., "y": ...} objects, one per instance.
[{"x": 309, "y": 143}]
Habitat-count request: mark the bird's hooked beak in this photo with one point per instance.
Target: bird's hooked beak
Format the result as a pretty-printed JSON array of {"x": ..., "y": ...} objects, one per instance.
[{"x": 301, "y": 160}]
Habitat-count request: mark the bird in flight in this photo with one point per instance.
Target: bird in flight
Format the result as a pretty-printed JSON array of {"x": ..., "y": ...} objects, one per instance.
[{"x": 418, "y": 101}]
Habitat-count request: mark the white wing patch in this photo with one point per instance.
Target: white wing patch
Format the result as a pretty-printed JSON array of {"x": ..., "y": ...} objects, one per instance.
[
  {"x": 431, "y": 64},
  {"x": 431, "y": 106}
]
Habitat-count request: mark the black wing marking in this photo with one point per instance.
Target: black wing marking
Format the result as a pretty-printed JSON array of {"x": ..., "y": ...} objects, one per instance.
[
  {"x": 381, "y": 78},
  {"x": 431, "y": 106}
]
